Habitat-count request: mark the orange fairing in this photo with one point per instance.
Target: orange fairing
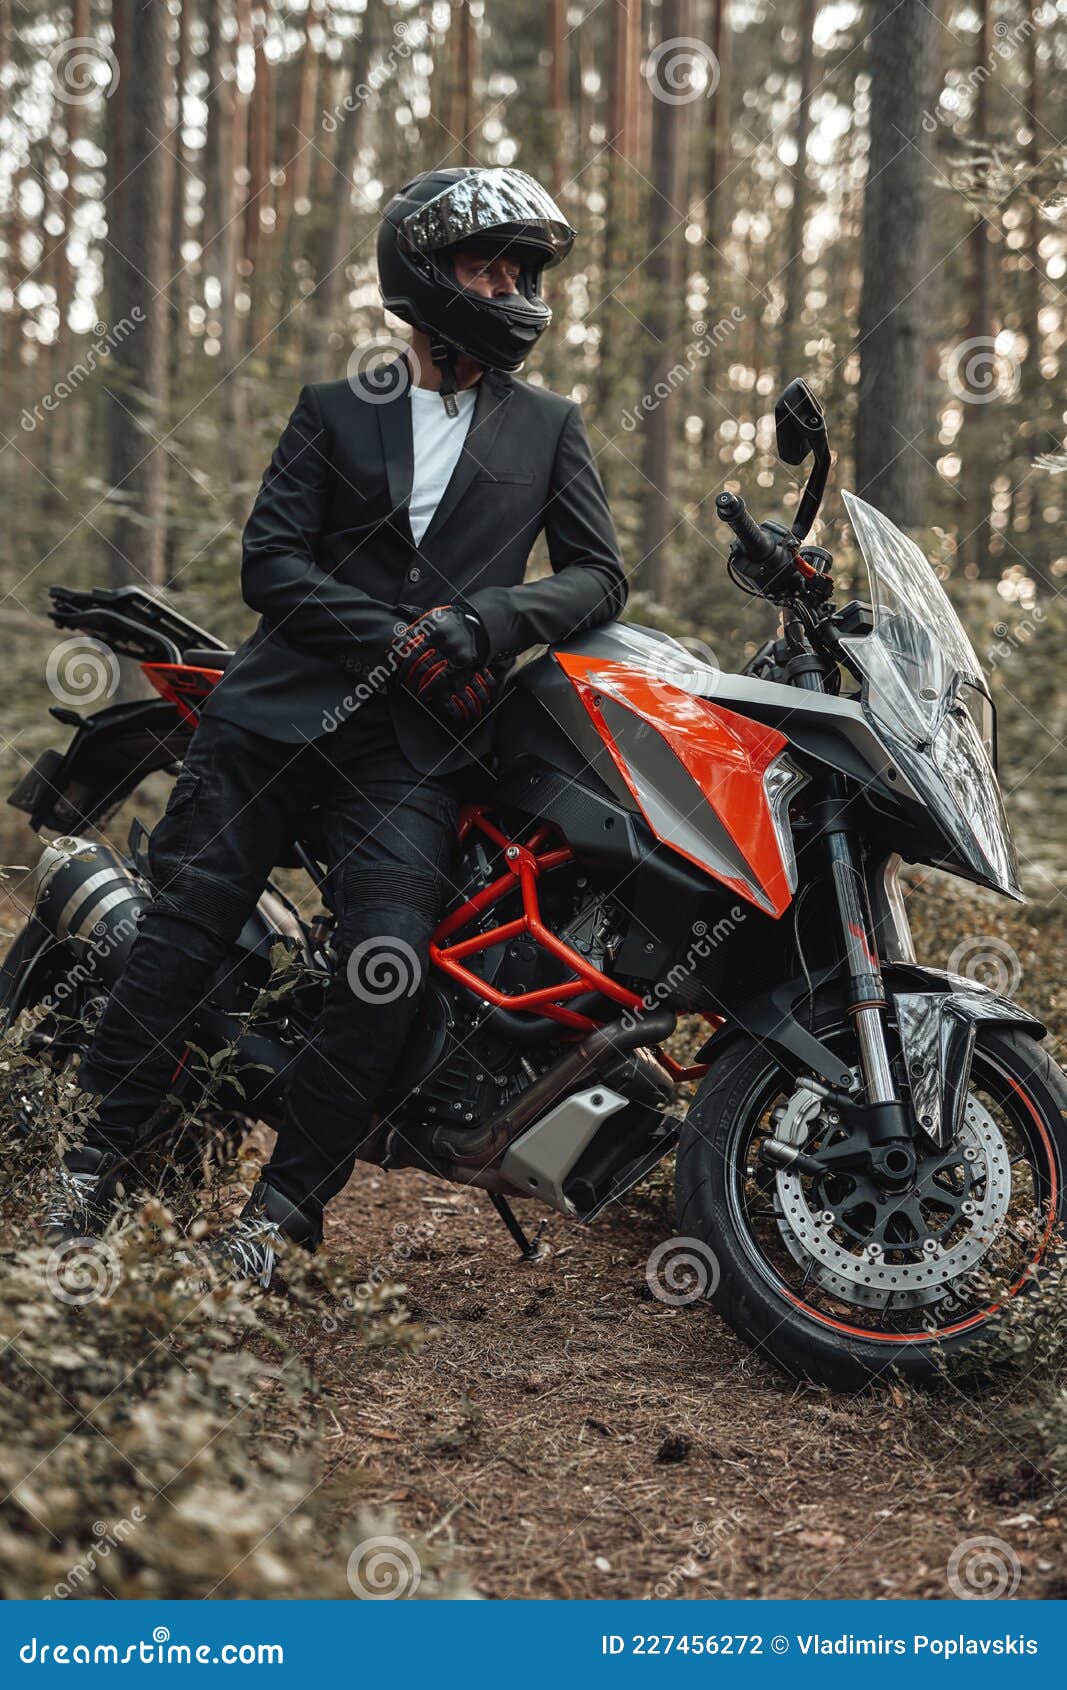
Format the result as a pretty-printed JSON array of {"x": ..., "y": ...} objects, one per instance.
[{"x": 726, "y": 758}]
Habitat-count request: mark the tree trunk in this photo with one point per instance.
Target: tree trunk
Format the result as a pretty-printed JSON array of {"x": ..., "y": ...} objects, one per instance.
[
  {"x": 935, "y": 286},
  {"x": 974, "y": 451},
  {"x": 138, "y": 218},
  {"x": 339, "y": 241},
  {"x": 789, "y": 358},
  {"x": 13, "y": 324},
  {"x": 178, "y": 272},
  {"x": 890, "y": 471},
  {"x": 463, "y": 119},
  {"x": 1032, "y": 382},
  {"x": 1035, "y": 435},
  {"x": 715, "y": 212},
  {"x": 718, "y": 134},
  {"x": 46, "y": 271},
  {"x": 58, "y": 437},
  {"x": 619, "y": 192},
  {"x": 296, "y": 158},
  {"x": 259, "y": 211},
  {"x": 662, "y": 317},
  {"x": 558, "y": 42},
  {"x": 240, "y": 144},
  {"x": 220, "y": 231}
]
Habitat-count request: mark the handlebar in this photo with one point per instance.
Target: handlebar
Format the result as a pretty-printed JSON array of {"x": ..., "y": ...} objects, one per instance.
[
  {"x": 755, "y": 542},
  {"x": 767, "y": 554}
]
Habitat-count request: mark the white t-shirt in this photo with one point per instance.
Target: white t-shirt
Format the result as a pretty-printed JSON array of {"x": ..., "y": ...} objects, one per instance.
[{"x": 437, "y": 440}]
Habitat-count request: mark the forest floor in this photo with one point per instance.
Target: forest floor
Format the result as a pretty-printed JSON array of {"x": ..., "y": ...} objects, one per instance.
[
  {"x": 575, "y": 1438},
  {"x": 552, "y": 1430},
  {"x": 572, "y": 1436}
]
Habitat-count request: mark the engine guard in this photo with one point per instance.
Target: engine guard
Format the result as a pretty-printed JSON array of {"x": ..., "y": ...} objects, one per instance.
[{"x": 937, "y": 1019}]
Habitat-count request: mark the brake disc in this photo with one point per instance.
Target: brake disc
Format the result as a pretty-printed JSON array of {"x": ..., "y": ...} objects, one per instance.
[{"x": 921, "y": 1240}]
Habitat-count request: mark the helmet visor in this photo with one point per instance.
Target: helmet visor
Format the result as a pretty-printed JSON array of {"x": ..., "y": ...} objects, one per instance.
[{"x": 500, "y": 203}]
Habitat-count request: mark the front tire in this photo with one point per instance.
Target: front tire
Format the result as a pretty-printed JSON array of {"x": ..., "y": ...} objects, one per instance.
[{"x": 800, "y": 1314}]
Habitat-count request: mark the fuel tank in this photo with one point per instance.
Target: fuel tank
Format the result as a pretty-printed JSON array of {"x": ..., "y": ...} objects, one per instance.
[
  {"x": 710, "y": 761},
  {"x": 713, "y": 785}
]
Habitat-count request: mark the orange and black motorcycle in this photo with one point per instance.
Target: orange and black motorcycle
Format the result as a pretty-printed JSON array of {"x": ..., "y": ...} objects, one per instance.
[{"x": 872, "y": 1161}]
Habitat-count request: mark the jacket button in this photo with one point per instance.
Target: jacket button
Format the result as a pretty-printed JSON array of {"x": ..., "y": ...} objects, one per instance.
[{"x": 414, "y": 574}]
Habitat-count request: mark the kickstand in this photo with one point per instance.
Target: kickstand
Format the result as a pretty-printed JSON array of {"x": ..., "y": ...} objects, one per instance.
[{"x": 528, "y": 1249}]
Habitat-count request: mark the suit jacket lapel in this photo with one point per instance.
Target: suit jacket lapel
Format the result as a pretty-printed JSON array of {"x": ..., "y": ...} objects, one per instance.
[
  {"x": 494, "y": 391},
  {"x": 394, "y": 422}
]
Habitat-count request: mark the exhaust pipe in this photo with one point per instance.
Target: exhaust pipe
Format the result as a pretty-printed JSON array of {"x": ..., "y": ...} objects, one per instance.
[
  {"x": 472, "y": 1155},
  {"x": 87, "y": 896}
]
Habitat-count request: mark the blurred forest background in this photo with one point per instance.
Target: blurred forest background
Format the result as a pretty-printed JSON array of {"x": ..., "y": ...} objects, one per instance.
[{"x": 871, "y": 194}]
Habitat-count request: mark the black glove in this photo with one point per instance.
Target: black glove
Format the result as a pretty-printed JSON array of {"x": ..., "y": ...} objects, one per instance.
[{"x": 441, "y": 659}]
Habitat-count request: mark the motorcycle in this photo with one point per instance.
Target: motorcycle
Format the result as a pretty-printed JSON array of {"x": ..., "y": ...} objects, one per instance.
[{"x": 871, "y": 1163}]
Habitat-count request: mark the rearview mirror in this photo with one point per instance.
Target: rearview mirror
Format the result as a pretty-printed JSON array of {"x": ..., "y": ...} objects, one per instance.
[
  {"x": 799, "y": 424},
  {"x": 800, "y": 428}
]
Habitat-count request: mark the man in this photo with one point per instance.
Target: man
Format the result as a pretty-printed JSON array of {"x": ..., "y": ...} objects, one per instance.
[{"x": 385, "y": 554}]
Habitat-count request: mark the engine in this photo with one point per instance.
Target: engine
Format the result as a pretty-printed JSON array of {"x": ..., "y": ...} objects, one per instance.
[{"x": 469, "y": 1058}]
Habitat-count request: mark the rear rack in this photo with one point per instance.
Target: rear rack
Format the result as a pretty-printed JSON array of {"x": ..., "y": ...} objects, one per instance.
[{"x": 132, "y": 622}]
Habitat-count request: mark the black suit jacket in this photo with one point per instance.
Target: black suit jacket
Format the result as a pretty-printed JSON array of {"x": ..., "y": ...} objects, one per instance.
[{"x": 330, "y": 563}]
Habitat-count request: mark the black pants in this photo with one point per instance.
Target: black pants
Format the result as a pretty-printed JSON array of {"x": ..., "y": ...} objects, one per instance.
[{"x": 390, "y": 835}]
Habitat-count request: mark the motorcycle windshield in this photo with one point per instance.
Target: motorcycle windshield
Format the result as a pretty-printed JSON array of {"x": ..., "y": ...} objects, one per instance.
[{"x": 924, "y": 689}]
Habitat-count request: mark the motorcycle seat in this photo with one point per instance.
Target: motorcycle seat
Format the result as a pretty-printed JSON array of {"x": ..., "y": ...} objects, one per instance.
[{"x": 207, "y": 657}]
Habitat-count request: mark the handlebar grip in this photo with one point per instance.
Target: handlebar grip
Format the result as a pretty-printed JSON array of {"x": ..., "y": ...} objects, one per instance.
[{"x": 756, "y": 544}]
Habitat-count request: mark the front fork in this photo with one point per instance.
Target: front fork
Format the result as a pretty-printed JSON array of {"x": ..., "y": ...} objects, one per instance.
[
  {"x": 892, "y": 1156},
  {"x": 885, "y": 1116}
]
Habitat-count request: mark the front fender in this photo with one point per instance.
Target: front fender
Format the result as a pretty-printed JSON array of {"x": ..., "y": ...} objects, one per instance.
[{"x": 937, "y": 1016}]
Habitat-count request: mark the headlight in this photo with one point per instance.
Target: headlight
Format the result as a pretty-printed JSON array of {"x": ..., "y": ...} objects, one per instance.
[{"x": 781, "y": 780}]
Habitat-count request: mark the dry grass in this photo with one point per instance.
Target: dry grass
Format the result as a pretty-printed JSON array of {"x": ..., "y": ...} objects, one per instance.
[{"x": 160, "y": 1435}]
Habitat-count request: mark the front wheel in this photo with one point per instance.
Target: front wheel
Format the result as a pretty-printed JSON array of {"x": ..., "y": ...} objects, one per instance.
[{"x": 833, "y": 1278}]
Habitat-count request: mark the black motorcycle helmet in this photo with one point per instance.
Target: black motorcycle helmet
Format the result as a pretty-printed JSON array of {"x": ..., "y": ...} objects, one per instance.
[{"x": 441, "y": 210}]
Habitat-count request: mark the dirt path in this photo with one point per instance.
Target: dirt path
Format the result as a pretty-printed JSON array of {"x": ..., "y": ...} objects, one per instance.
[
  {"x": 561, "y": 1433},
  {"x": 573, "y": 1437}
]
